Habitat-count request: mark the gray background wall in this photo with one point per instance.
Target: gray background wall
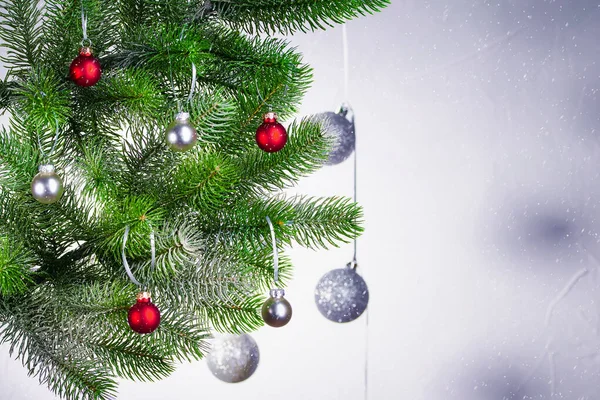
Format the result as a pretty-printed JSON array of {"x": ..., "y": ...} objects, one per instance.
[{"x": 478, "y": 127}]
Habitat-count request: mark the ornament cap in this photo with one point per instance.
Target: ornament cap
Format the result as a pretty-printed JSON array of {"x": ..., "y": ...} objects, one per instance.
[
  {"x": 46, "y": 169},
  {"x": 143, "y": 297},
  {"x": 270, "y": 117},
  {"x": 85, "y": 51},
  {"x": 182, "y": 116},
  {"x": 277, "y": 293},
  {"x": 352, "y": 265}
]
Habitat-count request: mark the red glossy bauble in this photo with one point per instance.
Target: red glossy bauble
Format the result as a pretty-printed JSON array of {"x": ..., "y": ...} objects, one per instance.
[
  {"x": 85, "y": 69},
  {"x": 143, "y": 316},
  {"x": 271, "y": 135}
]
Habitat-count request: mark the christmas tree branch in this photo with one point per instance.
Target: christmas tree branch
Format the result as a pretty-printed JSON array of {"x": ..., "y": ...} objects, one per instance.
[
  {"x": 16, "y": 262},
  {"x": 288, "y": 17},
  {"x": 40, "y": 346},
  {"x": 306, "y": 151},
  {"x": 20, "y": 34},
  {"x": 235, "y": 317},
  {"x": 310, "y": 222}
]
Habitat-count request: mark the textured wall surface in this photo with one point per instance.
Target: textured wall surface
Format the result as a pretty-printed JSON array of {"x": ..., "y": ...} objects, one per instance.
[{"x": 478, "y": 132}]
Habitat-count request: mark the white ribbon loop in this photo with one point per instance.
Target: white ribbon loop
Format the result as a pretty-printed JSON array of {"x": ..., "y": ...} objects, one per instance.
[
  {"x": 124, "y": 257},
  {"x": 275, "y": 253}
]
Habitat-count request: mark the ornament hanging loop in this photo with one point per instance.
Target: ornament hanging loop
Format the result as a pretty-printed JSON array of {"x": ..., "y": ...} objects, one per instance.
[
  {"x": 269, "y": 106},
  {"x": 275, "y": 253},
  {"x": 84, "y": 21},
  {"x": 85, "y": 42},
  {"x": 46, "y": 156},
  {"x": 193, "y": 85},
  {"x": 352, "y": 264},
  {"x": 143, "y": 287}
]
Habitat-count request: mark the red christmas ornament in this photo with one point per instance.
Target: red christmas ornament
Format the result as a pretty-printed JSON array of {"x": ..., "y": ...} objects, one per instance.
[
  {"x": 271, "y": 135},
  {"x": 143, "y": 316},
  {"x": 85, "y": 69}
]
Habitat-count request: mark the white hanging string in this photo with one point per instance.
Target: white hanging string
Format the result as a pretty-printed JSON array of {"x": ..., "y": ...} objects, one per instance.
[
  {"x": 45, "y": 156},
  {"x": 346, "y": 62},
  {"x": 84, "y": 21},
  {"x": 275, "y": 253},
  {"x": 124, "y": 257},
  {"x": 85, "y": 42},
  {"x": 353, "y": 264},
  {"x": 193, "y": 86}
]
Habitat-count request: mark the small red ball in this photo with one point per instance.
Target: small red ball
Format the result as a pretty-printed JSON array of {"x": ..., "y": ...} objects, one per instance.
[
  {"x": 85, "y": 69},
  {"x": 143, "y": 316},
  {"x": 271, "y": 135}
]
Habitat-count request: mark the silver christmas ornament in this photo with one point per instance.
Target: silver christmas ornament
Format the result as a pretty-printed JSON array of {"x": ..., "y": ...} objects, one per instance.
[
  {"x": 233, "y": 358},
  {"x": 181, "y": 135},
  {"x": 46, "y": 186},
  {"x": 276, "y": 311},
  {"x": 340, "y": 126},
  {"x": 342, "y": 295}
]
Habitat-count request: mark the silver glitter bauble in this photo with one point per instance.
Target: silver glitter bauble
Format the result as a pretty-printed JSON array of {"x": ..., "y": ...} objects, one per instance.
[
  {"x": 46, "y": 186},
  {"x": 276, "y": 311},
  {"x": 340, "y": 126},
  {"x": 342, "y": 295},
  {"x": 233, "y": 358},
  {"x": 181, "y": 135}
]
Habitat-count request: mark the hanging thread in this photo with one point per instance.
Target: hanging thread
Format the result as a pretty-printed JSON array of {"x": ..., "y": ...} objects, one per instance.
[
  {"x": 85, "y": 42},
  {"x": 193, "y": 85},
  {"x": 346, "y": 61},
  {"x": 353, "y": 264},
  {"x": 124, "y": 257},
  {"x": 54, "y": 141},
  {"x": 275, "y": 253},
  {"x": 84, "y": 23}
]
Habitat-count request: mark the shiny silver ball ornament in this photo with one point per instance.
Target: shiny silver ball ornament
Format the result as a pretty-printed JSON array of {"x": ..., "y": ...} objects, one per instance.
[
  {"x": 339, "y": 126},
  {"x": 276, "y": 311},
  {"x": 342, "y": 295},
  {"x": 233, "y": 358},
  {"x": 46, "y": 186},
  {"x": 181, "y": 135}
]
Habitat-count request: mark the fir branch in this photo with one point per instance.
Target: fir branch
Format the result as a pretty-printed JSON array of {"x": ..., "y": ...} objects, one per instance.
[
  {"x": 220, "y": 287},
  {"x": 287, "y": 17},
  {"x": 16, "y": 263},
  {"x": 141, "y": 213},
  {"x": 145, "y": 155},
  {"x": 41, "y": 348},
  {"x": 224, "y": 59},
  {"x": 306, "y": 151},
  {"x": 62, "y": 30},
  {"x": 20, "y": 34},
  {"x": 204, "y": 181},
  {"x": 44, "y": 105},
  {"x": 125, "y": 96},
  {"x": 310, "y": 222},
  {"x": 178, "y": 246},
  {"x": 183, "y": 334},
  {"x": 18, "y": 157},
  {"x": 215, "y": 116},
  {"x": 235, "y": 318},
  {"x": 134, "y": 13},
  {"x": 7, "y": 92}
]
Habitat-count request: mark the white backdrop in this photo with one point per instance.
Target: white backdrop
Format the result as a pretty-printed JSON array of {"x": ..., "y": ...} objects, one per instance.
[{"x": 478, "y": 128}]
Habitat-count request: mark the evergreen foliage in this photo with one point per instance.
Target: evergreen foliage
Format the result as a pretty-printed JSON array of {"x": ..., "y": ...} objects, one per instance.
[{"x": 64, "y": 294}]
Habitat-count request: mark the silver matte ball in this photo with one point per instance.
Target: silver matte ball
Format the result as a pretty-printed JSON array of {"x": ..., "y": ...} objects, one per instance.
[
  {"x": 340, "y": 126},
  {"x": 233, "y": 358},
  {"x": 276, "y": 311},
  {"x": 181, "y": 135},
  {"x": 46, "y": 186},
  {"x": 342, "y": 295}
]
